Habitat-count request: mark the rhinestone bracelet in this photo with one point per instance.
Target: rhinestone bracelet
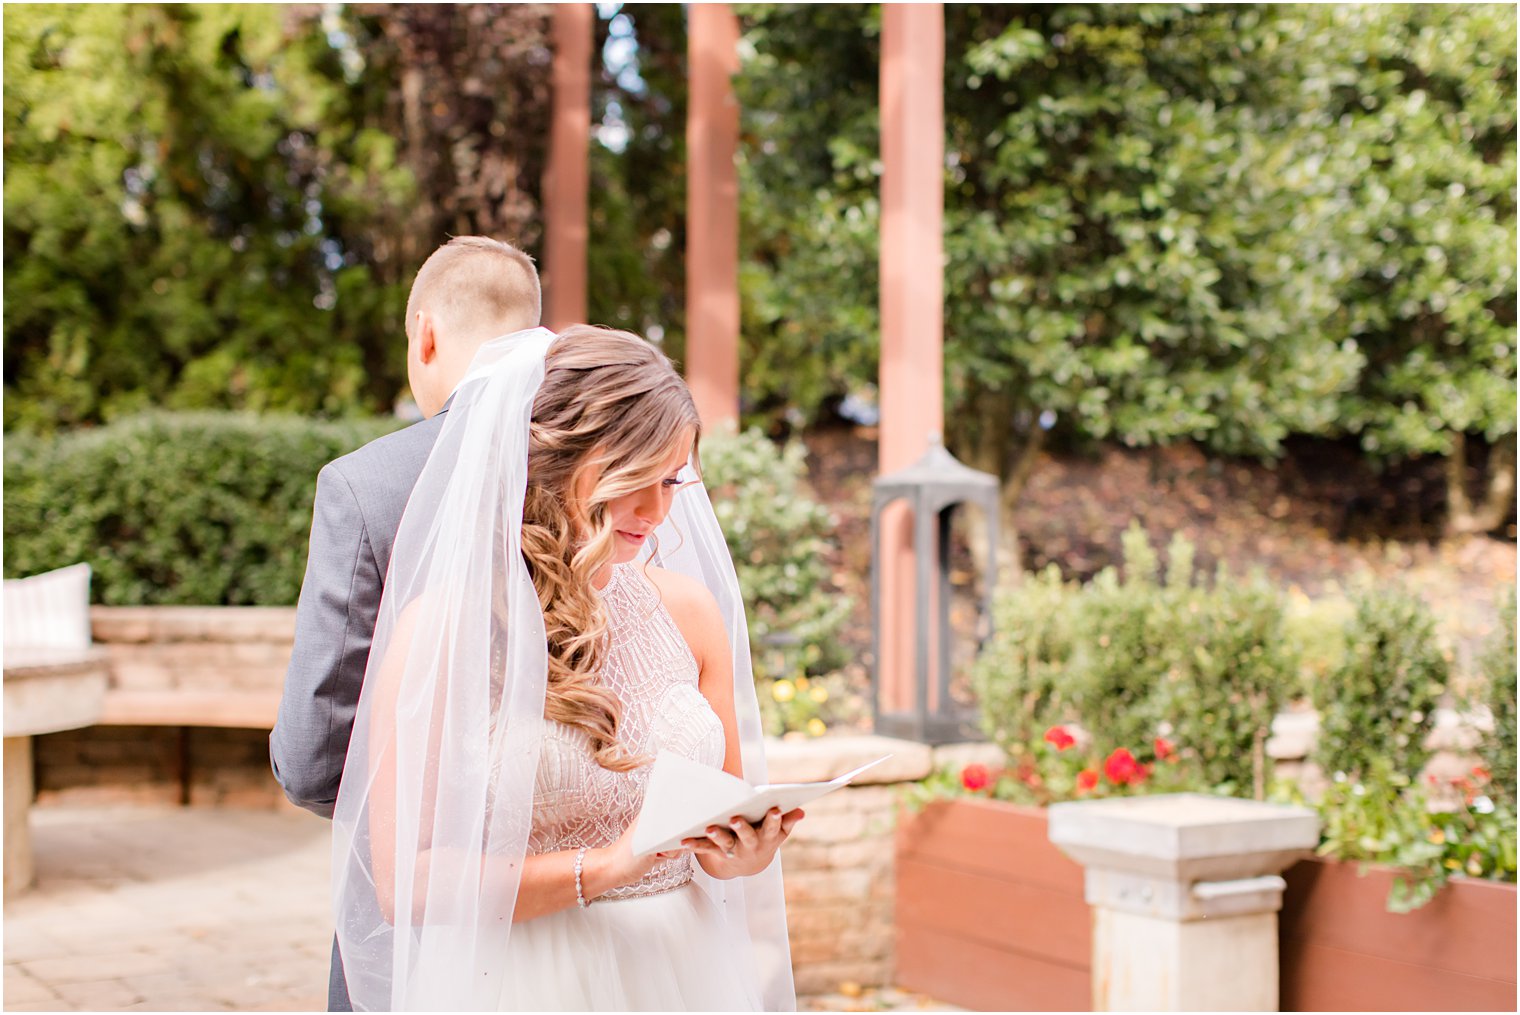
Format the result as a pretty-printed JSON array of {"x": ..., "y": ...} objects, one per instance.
[{"x": 580, "y": 859}]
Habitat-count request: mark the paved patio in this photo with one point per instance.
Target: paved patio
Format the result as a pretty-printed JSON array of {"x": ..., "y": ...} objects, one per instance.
[
  {"x": 194, "y": 909},
  {"x": 170, "y": 909}
]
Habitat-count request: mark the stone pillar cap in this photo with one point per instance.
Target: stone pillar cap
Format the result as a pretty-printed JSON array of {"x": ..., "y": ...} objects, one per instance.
[{"x": 1184, "y": 837}]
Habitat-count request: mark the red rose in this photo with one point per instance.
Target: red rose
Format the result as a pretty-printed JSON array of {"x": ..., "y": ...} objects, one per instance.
[
  {"x": 1164, "y": 748},
  {"x": 1122, "y": 769},
  {"x": 976, "y": 777},
  {"x": 1087, "y": 779},
  {"x": 1058, "y": 738}
]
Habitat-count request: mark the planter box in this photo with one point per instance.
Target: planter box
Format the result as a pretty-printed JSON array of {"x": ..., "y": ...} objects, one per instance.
[
  {"x": 1341, "y": 950},
  {"x": 990, "y": 915}
]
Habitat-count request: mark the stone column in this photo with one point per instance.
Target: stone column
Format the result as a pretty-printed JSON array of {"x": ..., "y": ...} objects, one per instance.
[
  {"x": 567, "y": 173},
  {"x": 712, "y": 215},
  {"x": 1185, "y": 891},
  {"x": 912, "y": 305}
]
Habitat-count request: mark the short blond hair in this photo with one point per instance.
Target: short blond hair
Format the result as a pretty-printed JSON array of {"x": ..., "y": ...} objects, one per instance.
[{"x": 476, "y": 288}]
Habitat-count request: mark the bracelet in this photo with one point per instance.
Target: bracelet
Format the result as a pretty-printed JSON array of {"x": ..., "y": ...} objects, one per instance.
[{"x": 580, "y": 860}]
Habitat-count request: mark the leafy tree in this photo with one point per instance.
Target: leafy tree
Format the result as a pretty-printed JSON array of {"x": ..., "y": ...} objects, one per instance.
[
  {"x": 1412, "y": 109},
  {"x": 221, "y": 206},
  {"x": 636, "y": 264},
  {"x": 1226, "y": 224}
]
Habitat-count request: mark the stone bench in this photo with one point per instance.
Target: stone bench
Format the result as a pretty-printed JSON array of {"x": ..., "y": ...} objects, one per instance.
[
  {"x": 54, "y": 680},
  {"x": 221, "y": 666}
]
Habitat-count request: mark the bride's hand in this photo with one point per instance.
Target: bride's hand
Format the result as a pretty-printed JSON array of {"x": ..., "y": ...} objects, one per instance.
[
  {"x": 615, "y": 866},
  {"x": 740, "y": 848}
]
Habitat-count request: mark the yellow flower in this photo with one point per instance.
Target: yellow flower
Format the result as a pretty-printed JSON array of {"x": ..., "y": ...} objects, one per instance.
[
  {"x": 816, "y": 727},
  {"x": 802, "y": 683},
  {"x": 1437, "y": 836},
  {"x": 783, "y": 691},
  {"x": 819, "y": 694}
]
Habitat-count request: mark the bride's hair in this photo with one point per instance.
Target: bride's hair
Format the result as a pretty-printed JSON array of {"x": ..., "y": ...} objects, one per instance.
[{"x": 610, "y": 413}]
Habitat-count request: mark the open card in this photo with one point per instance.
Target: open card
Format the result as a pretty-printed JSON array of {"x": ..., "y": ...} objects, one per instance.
[{"x": 684, "y": 798}]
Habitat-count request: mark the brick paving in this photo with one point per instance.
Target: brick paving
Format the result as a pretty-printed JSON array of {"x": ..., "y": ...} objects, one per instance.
[
  {"x": 171, "y": 909},
  {"x": 196, "y": 909}
]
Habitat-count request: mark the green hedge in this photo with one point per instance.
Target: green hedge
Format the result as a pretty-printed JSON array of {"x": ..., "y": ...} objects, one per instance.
[
  {"x": 197, "y": 508},
  {"x": 781, "y": 537},
  {"x": 1150, "y": 653},
  {"x": 214, "y": 509}
]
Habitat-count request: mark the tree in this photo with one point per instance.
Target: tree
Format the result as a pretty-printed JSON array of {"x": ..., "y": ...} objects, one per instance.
[
  {"x": 1413, "y": 109},
  {"x": 1163, "y": 222},
  {"x": 221, "y": 206},
  {"x": 637, "y": 267}
]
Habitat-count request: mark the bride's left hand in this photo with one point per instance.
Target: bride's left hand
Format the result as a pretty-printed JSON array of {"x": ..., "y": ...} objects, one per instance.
[{"x": 740, "y": 848}]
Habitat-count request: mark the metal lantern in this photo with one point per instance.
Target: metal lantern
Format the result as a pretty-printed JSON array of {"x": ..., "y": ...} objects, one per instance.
[{"x": 934, "y": 487}]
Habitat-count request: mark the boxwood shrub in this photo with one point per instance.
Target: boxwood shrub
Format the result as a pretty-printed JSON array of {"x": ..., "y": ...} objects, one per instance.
[{"x": 186, "y": 508}]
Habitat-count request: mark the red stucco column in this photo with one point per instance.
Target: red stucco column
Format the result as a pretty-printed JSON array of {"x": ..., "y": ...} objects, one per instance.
[
  {"x": 912, "y": 300},
  {"x": 712, "y": 214},
  {"x": 567, "y": 174}
]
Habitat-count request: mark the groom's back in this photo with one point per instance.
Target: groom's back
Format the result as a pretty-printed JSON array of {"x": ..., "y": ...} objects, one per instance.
[{"x": 358, "y": 506}]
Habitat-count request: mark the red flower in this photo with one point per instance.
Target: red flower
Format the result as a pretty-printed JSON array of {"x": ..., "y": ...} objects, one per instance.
[
  {"x": 1481, "y": 773},
  {"x": 976, "y": 777},
  {"x": 1058, "y": 738},
  {"x": 1087, "y": 780},
  {"x": 1122, "y": 769},
  {"x": 1164, "y": 748}
]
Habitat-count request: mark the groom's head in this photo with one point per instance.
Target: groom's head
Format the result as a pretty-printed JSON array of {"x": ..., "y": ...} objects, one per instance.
[{"x": 470, "y": 291}]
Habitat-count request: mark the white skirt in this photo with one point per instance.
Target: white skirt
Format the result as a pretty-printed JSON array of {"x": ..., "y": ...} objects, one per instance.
[{"x": 664, "y": 952}]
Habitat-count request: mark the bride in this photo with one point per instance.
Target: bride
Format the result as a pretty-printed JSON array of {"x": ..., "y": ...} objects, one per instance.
[{"x": 529, "y": 661}]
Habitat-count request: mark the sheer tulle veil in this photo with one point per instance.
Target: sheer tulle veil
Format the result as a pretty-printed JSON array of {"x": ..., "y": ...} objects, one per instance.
[{"x": 432, "y": 819}]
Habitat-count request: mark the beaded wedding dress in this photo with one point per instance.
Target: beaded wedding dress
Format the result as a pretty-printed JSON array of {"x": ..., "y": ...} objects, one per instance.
[{"x": 660, "y": 944}]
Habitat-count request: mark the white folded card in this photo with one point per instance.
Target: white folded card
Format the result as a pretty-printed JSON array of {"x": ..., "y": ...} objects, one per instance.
[{"x": 684, "y": 798}]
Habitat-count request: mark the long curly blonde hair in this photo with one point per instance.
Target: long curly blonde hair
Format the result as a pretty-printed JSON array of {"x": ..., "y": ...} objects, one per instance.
[{"x": 610, "y": 413}]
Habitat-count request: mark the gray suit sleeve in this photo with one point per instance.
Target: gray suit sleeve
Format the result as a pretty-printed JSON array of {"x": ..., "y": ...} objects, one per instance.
[{"x": 335, "y": 621}]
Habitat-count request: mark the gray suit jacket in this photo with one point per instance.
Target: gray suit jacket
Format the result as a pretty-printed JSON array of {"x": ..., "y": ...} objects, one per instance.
[{"x": 359, "y": 501}]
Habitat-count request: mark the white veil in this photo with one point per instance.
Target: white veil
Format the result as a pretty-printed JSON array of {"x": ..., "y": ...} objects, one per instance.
[{"x": 432, "y": 818}]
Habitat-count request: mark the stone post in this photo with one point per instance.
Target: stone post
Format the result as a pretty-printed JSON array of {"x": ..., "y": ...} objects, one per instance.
[{"x": 1185, "y": 891}]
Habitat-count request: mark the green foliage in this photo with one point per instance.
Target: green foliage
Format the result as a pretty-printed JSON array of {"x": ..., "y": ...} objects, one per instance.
[
  {"x": 1378, "y": 706},
  {"x": 193, "y": 508},
  {"x": 1498, "y": 666},
  {"x": 636, "y": 271},
  {"x": 1316, "y": 630},
  {"x": 1126, "y": 640},
  {"x": 1020, "y": 672},
  {"x": 207, "y": 205},
  {"x": 182, "y": 189},
  {"x": 1412, "y": 112},
  {"x": 1117, "y": 662},
  {"x": 1238, "y": 672},
  {"x": 1383, "y": 818},
  {"x": 1228, "y": 223},
  {"x": 1133, "y": 658},
  {"x": 780, "y": 538}
]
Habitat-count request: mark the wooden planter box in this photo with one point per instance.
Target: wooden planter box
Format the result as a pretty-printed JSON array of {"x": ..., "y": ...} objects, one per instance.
[
  {"x": 1341, "y": 950},
  {"x": 991, "y": 916}
]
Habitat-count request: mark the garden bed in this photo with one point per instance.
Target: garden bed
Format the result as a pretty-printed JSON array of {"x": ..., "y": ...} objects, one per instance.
[
  {"x": 1342, "y": 950},
  {"x": 991, "y": 916}
]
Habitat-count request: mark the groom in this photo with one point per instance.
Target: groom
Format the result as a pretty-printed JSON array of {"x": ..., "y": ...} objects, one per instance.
[{"x": 471, "y": 290}]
